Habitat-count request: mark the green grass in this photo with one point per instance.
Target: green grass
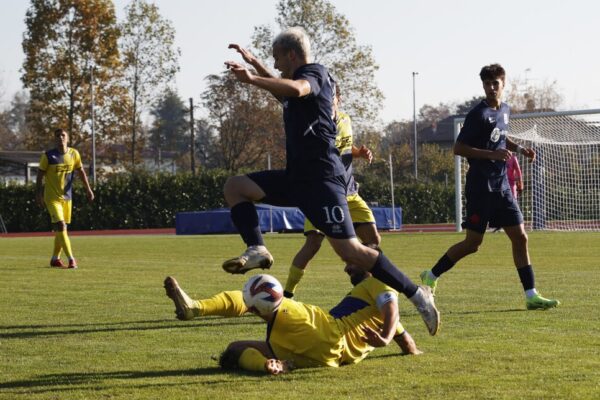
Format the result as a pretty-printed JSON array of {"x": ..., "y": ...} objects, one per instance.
[{"x": 107, "y": 330}]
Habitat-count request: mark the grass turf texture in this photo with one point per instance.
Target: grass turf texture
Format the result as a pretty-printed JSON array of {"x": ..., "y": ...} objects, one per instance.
[{"x": 107, "y": 330}]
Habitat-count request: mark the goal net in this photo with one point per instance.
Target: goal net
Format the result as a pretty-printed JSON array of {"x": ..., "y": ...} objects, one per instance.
[{"x": 562, "y": 187}]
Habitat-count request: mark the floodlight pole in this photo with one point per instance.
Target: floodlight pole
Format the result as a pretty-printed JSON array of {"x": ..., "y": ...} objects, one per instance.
[
  {"x": 414, "y": 75},
  {"x": 192, "y": 139},
  {"x": 270, "y": 206},
  {"x": 93, "y": 126},
  {"x": 392, "y": 192}
]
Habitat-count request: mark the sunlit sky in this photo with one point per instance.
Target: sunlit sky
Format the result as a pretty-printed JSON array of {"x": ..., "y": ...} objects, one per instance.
[{"x": 446, "y": 42}]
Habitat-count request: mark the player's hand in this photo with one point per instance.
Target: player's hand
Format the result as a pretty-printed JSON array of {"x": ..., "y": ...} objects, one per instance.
[
  {"x": 529, "y": 153},
  {"x": 90, "y": 195},
  {"x": 365, "y": 153},
  {"x": 241, "y": 73},
  {"x": 373, "y": 338},
  {"x": 501, "y": 155},
  {"x": 39, "y": 199},
  {"x": 246, "y": 55}
]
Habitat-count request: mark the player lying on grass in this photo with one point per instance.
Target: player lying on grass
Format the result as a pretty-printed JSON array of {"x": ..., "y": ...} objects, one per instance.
[{"x": 302, "y": 335}]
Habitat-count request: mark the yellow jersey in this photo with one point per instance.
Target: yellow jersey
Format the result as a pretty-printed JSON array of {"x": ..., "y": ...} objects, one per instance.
[
  {"x": 59, "y": 173},
  {"x": 344, "y": 142},
  {"x": 310, "y": 336}
]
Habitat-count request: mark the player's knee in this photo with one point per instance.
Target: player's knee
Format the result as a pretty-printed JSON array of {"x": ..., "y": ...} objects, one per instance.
[
  {"x": 520, "y": 239},
  {"x": 231, "y": 186},
  {"x": 313, "y": 243},
  {"x": 60, "y": 226},
  {"x": 472, "y": 247}
]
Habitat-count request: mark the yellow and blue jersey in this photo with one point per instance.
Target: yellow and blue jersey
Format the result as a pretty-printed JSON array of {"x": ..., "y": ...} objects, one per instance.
[
  {"x": 312, "y": 337},
  {"x": 59, "y": 173},
  {"x": 344, "y": 142}
]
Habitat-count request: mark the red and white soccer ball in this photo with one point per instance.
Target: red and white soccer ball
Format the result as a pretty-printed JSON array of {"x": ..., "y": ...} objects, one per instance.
[{"x": 262, "y": 293}]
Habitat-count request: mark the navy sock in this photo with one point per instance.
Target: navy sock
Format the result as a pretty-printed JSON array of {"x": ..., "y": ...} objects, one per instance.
[
  {"x": 526, "y": 276},
  {"x": 389, "y": 274},
  {"x": 245, "y": 219},
  {"x": 444, "y": 264}
]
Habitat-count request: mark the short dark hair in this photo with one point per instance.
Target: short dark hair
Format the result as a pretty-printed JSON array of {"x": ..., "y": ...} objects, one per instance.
[
  {"x": 58, "y": 131},
  {"x": 228, "y": 360},
  {"x": 492, "y": 71}
]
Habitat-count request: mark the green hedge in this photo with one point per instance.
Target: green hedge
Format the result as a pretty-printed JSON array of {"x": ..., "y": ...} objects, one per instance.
[
  {"x": 421, "y": 203},
  {"x": 141, "y": 200}
]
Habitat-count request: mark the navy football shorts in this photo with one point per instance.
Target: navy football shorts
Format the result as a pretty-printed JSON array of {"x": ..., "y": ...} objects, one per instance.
[
  {"x": 499, "y": 209},
  {"x": 322, "y": 201}
]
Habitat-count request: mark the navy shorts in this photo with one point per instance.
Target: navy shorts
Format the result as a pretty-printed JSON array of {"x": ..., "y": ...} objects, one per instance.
[
  {"x": 322, "y": 201},
  {"x": 499, "y": 209}
]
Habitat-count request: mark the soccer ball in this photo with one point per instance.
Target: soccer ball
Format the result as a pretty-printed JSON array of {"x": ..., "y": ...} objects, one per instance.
[{"x": 263, "y": 294}]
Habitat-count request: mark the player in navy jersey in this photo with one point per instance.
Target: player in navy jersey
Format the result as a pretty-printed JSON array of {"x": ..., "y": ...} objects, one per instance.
[
  {"x": 314, "y": 179},
  {"x": 484, "y": 142}
]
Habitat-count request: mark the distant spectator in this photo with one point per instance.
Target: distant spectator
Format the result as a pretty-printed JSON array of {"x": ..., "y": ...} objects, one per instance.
[{"x": 514, "y": 175}]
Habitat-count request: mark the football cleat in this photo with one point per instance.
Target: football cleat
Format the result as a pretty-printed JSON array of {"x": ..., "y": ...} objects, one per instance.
[
  {"x": 183, "y": 303},
  {"x": 427, "y": 281},
  {"x": 254, "y": 257},
  {"x": 537, "y": 302},
  {"x": 428, "y": 311},
  {"x": 57, "y": 263},
  {"x": 276, "y": 367},
  {"x": 72, "y": 264}
]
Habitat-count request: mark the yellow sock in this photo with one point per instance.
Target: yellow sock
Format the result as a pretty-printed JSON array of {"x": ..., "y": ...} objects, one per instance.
[
  {"x": 224, "y": 304},
  {"x": 65, "y": 243},
  {"x": 252, "y": 360},
  {"x": 294, "y": 277},
  {"x": 57, "y": 245}
]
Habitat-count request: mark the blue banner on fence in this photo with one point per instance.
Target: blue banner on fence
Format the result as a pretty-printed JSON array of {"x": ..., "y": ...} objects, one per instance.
[{"x": 271, "y": 219}]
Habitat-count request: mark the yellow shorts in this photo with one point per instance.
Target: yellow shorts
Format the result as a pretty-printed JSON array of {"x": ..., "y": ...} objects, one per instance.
[
  {"x": 59, "y": 210},
  {"x": 359, "y": 212}
]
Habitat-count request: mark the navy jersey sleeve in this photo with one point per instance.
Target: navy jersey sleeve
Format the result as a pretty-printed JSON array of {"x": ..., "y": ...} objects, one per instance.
[
  {"x": 315, "y": 77},
  {"x": 471, "y": 128}
]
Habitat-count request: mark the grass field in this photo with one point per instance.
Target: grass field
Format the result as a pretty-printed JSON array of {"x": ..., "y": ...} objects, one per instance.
[{"x": 107, "y": 330}]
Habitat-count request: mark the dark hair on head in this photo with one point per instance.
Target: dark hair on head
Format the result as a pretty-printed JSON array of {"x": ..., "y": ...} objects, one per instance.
[
  {"x": 229, "y": 359},
  {"x": 58, "y": 131},
  {"x": 492, "y": 71}
]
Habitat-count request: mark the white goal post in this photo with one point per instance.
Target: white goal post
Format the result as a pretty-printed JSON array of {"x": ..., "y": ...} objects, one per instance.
[{"x": 562, "y": 186}]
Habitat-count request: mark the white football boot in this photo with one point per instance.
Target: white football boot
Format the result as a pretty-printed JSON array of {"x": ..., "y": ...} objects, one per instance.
[{"x": 254, "y": 257}]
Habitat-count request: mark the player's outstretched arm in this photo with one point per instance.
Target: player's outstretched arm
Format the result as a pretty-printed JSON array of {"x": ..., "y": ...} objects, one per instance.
[
  {"x": 407, "y": 344},
  {"x": 279, "y": 87},
  {"x": 383, "y": 336},
  {"x": 252, "y": 60},
  {"x": 362, "y": 152}
]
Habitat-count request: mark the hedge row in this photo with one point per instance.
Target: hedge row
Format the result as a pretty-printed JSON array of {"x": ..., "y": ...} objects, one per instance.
[{"x": 140, "y": 200}]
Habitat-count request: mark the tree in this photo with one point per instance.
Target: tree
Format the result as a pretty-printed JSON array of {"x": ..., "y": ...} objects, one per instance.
[
  {"x": 149, "y": 56},
  {"x": 467, "y": 105},
  {"x": 524, "y": 96},
  {"x": 14, "y": 127},
  {"x": 63, "y": 41},
  {"x": 170, "y": 126},
  {"x": 248, "y": 122},
  {"x": 435, "y": 163},
  {"x": 333, "y": 44}
]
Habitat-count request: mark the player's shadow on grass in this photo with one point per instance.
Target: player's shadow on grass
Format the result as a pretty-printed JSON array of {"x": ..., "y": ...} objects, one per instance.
[
  {"x": 35, "y": 331},
  {"x": 508, "y": 310},
  {"x": 52, "y": 382}
]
